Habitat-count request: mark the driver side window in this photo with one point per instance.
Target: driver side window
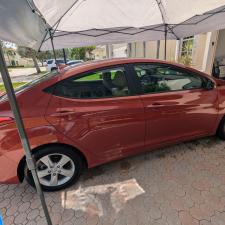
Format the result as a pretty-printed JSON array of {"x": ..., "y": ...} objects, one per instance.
[{"x": 155, "y": 78}]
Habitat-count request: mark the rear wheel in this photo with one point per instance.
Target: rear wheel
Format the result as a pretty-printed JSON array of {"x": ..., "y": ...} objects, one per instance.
[
  {"x": 221, "y": 129},
  {"x": 57, "y": 168}
]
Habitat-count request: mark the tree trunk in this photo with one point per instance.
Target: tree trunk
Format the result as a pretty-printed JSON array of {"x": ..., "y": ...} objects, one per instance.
[
  {"x": 8, "y": 59},
  {"x": 36, "y": 65}
]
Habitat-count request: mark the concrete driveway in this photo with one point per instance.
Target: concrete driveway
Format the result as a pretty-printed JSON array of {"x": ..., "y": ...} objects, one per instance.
[{"x": 182, "y": 184}]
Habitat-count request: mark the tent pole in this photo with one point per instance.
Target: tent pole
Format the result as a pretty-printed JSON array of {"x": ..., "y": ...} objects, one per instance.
[
  {"x": 158, "y": 49},
  {"x": 53, "y": 47},
  {"x": 22, "y": 133},
  {"x": 107, "y": 52},
  {"x": 64, "y": 55},
  {"x": 165, "y": 47}
]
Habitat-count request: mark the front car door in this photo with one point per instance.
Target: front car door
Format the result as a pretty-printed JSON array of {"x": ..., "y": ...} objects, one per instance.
[
  {"x": 100, "y": 114},
  {"x": 177, "y": 105}
]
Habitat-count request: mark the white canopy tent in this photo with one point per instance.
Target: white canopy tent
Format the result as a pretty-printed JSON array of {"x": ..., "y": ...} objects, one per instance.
[
  {"x": 76, "y": 23},
  {"x": 70, "y": 23}
]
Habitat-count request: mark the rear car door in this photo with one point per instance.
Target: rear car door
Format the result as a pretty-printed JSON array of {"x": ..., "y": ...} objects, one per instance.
[
  {"x": 178, "y": 106},
  {"x": 99, "y": 113}
]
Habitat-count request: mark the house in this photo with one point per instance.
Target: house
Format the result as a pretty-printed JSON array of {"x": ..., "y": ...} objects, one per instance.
[
  {"x": 199, "y": 51},
  {"x": 12, "y": 58},
  {"x": 111, "y": 51}
]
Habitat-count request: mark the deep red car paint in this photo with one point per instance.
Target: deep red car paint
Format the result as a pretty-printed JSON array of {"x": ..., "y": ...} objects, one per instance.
[{"x": 107, "y": 129}]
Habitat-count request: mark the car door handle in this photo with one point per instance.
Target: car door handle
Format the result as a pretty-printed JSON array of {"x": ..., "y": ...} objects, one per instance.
[
  {"x": 63, "y": 113},
  {"x": 155, "y": 105}
]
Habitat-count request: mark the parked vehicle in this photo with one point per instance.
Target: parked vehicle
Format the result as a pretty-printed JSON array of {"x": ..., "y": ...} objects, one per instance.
[
  {"x": 51, "y": 64},
  {"x": 96, "y": 112},
  {"x": 74, "y": 62},
  {"x": 45, "y": 63}
]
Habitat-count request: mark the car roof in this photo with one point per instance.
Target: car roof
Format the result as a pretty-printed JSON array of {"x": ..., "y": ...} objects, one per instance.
[{"x": 95, "y": 64}]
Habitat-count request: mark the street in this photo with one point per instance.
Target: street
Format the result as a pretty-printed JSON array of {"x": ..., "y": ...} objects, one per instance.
[{"x": 23, "y": 74}]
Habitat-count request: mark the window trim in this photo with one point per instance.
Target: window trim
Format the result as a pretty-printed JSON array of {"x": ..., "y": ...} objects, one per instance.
[
  {"x": 129, "y": 79},
  {"x": 138, "y": 84}
]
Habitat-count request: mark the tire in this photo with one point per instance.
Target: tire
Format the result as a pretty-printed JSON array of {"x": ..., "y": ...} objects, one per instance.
[
  {"x": 221, "y": 129},
  {"x": 58, "y": 167}
]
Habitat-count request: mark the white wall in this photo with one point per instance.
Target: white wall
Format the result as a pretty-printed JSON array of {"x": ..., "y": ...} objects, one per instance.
[{"x": 220, "y": 50}]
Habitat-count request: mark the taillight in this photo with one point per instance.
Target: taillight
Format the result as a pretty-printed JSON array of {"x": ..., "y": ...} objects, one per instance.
[{"x": 6, "y": 120}]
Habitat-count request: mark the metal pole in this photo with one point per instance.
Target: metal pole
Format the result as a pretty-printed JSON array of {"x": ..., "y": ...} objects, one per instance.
[
  {"x": 129, "y": 49},
  {"x": 144, "y": 49},
  {"x": 53, "y": 47},
  {"x": 165, "y": 50},
  {"x": 64, "y": 55},
  {"x": 158, "y": 49},
  {"x": 107, "y": 52},
  {"x": 22, "y": 133}
]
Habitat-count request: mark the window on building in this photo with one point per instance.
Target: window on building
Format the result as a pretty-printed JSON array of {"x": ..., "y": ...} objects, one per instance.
[{"x": 187, "y": 46}]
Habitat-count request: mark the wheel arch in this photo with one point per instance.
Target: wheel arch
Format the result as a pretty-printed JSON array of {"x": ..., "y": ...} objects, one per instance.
[{"x": 22, "y": 163}]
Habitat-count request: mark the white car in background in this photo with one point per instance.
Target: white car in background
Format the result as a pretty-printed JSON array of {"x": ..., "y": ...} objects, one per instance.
[
  {"x": 51, "y": 64},
  {"x": 74, "y": 62}
]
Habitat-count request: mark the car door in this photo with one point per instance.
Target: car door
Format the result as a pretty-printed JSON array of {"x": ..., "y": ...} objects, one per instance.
[
  {"x": 177, "y": 104},
  {"x": 100, "y": 114}
]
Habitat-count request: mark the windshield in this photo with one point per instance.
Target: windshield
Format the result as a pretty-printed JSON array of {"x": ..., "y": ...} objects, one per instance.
[
  {"x": 49, "y": 61},
  {"x": 32, "y": 83}
]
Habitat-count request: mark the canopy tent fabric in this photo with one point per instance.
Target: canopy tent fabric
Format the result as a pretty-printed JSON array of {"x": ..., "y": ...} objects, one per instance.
[
  {"x": 90, "y": 22},
  {"x": 18, "y": 24}
]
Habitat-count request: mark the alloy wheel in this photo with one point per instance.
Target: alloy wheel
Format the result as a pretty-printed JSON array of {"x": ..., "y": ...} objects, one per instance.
[{"x": 55, "y": 169}]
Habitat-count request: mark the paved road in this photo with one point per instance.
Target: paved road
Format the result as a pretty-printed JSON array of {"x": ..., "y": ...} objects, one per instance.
[
  {"x": 180, "y": 185},
  {"x": 23, "y": 74}
]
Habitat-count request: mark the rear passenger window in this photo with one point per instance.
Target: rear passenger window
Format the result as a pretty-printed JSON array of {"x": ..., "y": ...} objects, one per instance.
[{"x": 100, "y": 84}]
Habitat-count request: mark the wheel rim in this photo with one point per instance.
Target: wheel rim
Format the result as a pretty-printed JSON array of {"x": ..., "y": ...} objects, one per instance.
[{"x": 55, "y": 169}]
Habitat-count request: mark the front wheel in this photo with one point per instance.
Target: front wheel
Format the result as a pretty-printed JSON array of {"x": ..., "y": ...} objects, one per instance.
[{"x": 57, "y": 168}]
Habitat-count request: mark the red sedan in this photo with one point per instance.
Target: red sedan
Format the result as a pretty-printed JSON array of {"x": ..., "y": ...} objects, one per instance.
[{"x": 96, "y": 112}]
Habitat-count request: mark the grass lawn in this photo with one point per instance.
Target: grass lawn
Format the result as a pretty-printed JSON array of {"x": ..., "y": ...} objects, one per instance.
[
  {"x": 15, "y": 85},
  {"x": 43, "y": 72},
  {"x": 95, "y": 77}
]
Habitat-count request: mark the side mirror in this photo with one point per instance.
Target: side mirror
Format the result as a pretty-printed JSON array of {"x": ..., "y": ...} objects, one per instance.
[{"x": 209, "y": 85}]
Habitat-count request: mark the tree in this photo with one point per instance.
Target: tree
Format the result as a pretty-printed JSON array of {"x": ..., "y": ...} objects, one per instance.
[
  {"x": 90, "y": 49},
  {"x": 78, "y": 53},
  {"x": 26, "y": 52},
  {"x": 8, "y": 51},
  {"x": 81, "y": 53},
  {"x": 42, "y": 56}
]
